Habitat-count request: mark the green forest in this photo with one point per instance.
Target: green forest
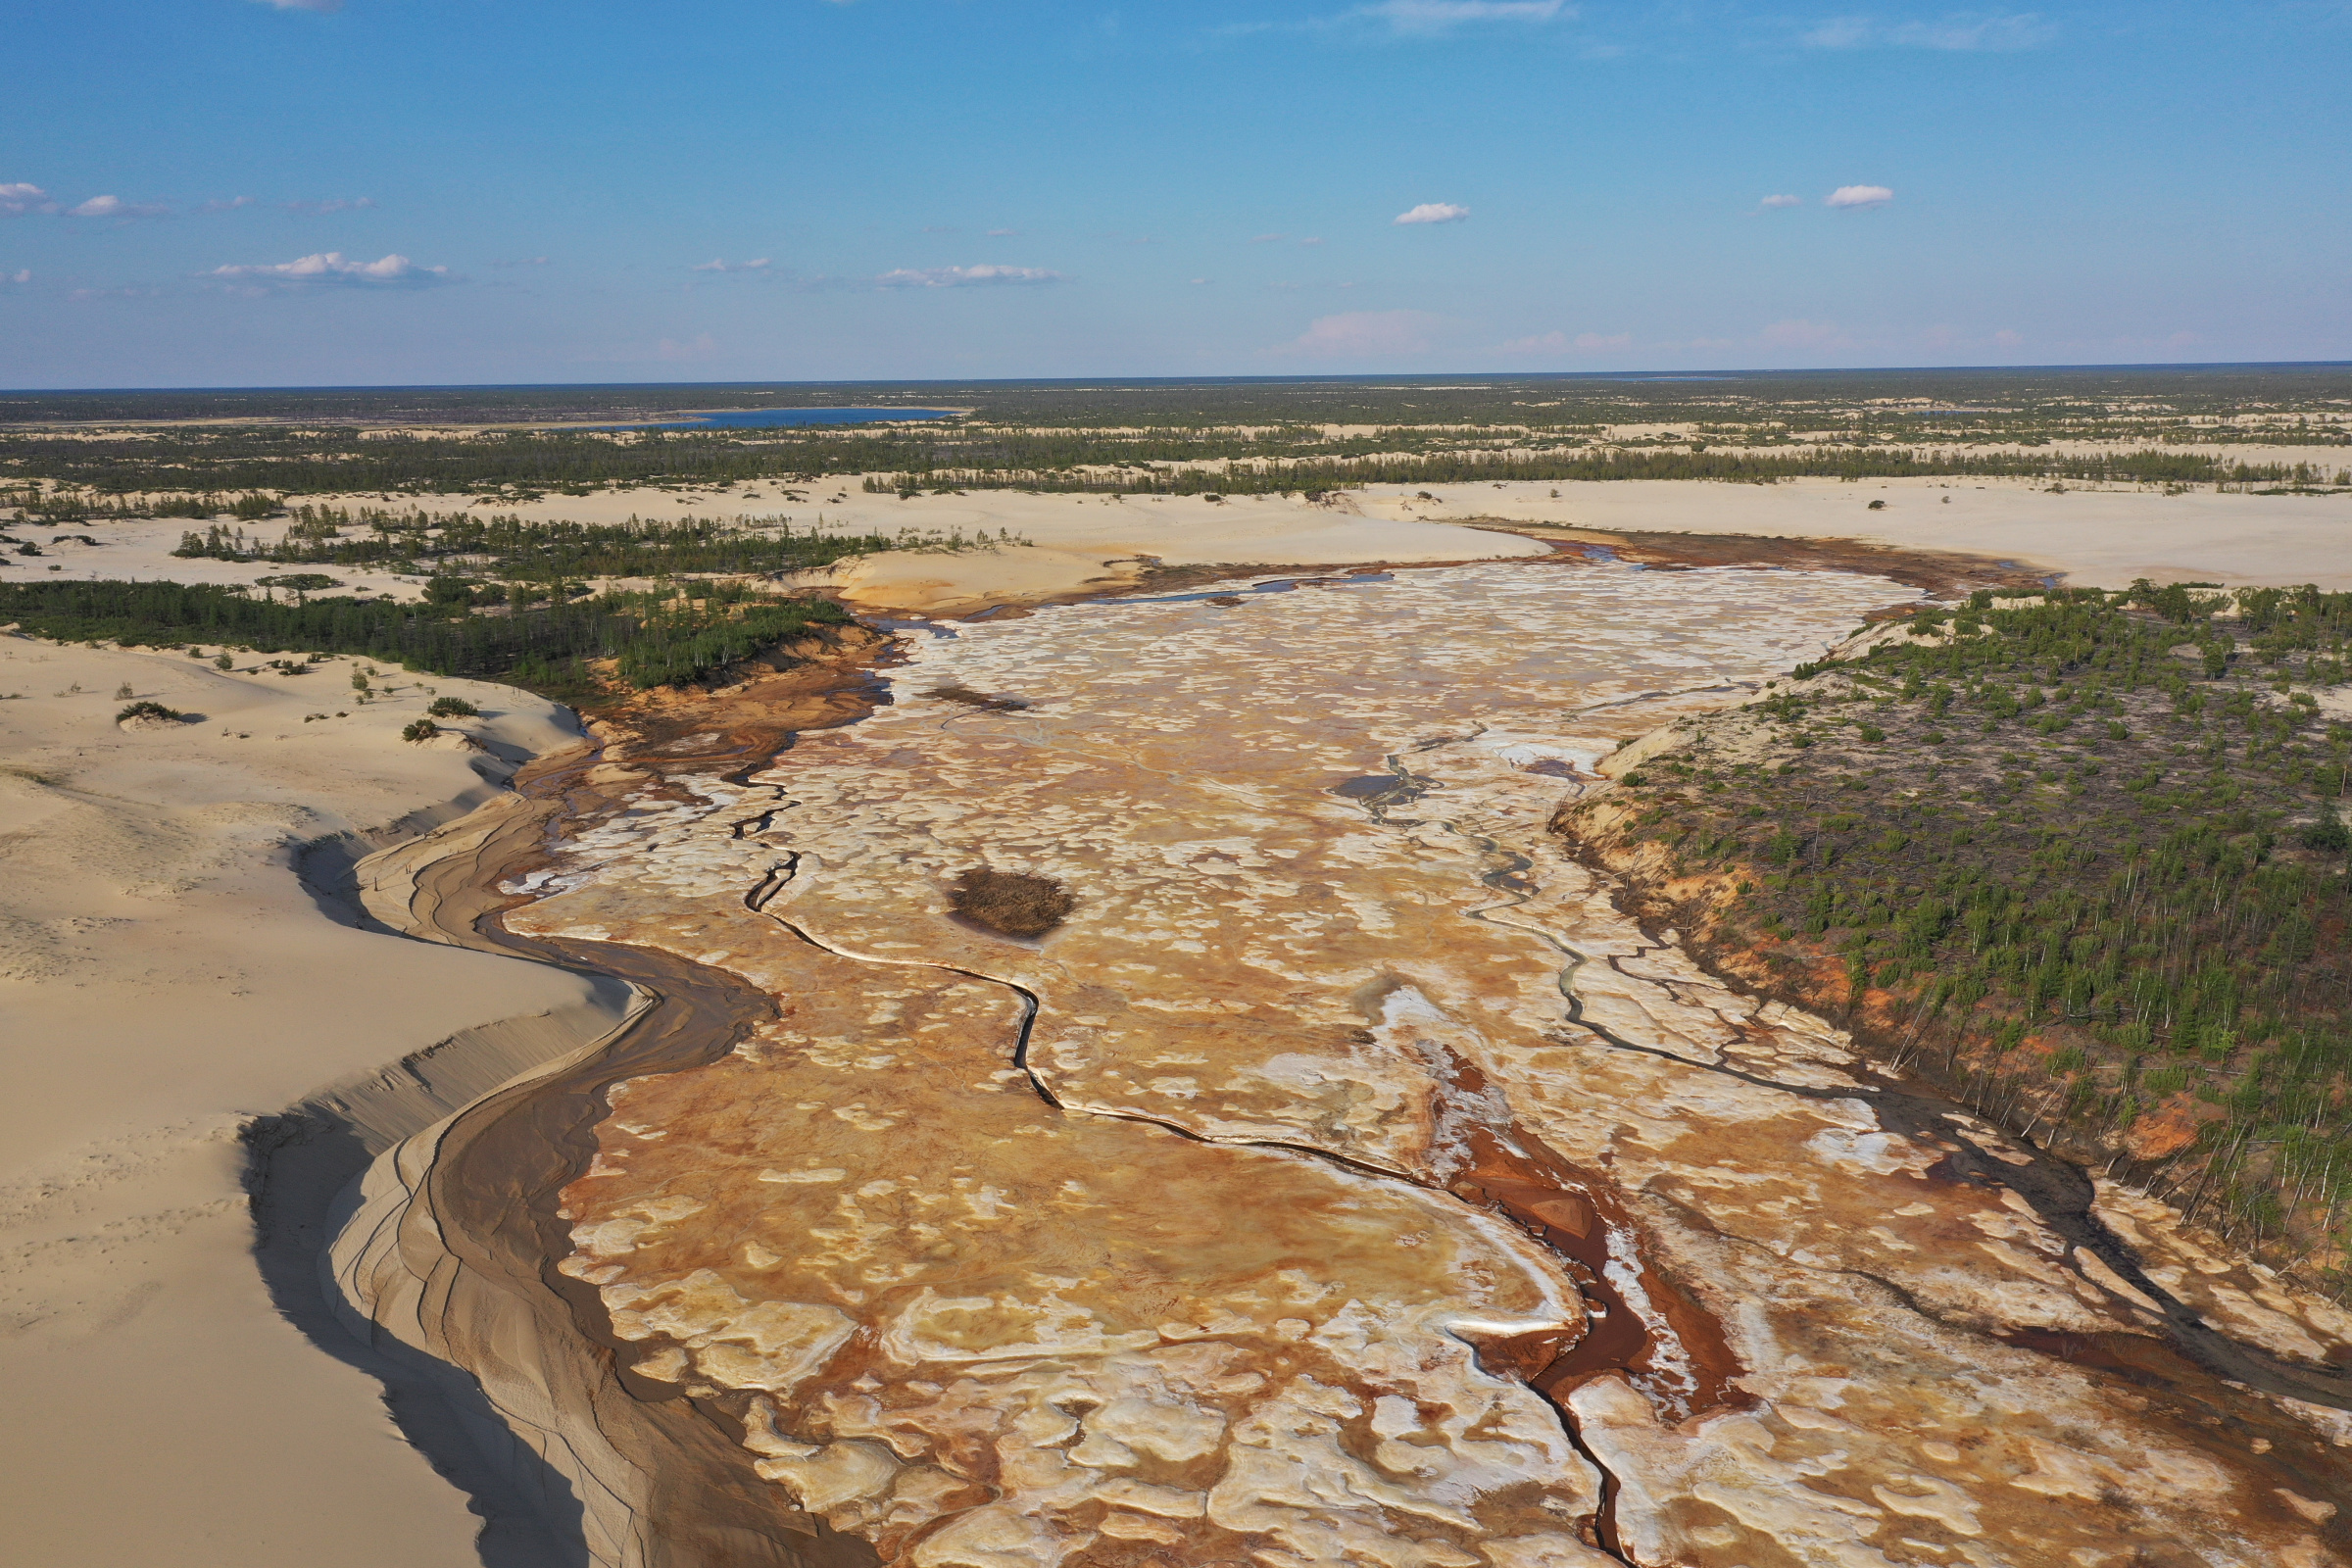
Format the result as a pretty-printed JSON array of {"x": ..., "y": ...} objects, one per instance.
[
  {"x": 2084, "y": 859},
  {"x": 658, "y": 638},
  {"x": 68, "y": 457}
]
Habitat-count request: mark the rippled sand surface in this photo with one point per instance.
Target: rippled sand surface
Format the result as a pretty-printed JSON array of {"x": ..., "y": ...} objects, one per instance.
[{"x": 1344, "y": 1181}]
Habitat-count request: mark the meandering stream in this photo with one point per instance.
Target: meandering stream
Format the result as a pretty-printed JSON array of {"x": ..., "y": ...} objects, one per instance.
[{"x": 1346, "y": 1180}]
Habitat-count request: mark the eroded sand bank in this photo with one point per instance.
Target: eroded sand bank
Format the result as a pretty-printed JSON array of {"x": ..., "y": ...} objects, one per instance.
[
  {"x": 1345, "y": 1180},
  {"x": 164, "y": 980}
]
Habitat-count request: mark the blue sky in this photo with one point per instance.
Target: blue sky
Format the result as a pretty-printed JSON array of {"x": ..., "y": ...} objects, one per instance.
[{"x": 254, "y": 192}]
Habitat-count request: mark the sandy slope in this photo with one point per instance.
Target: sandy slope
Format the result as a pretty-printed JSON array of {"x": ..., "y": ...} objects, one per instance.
[{"x": 163, "y": 976}]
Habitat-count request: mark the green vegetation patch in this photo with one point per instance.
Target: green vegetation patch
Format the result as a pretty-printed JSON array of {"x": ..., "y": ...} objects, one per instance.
[
  {"x": 656, "y": 638},
  {"x": 2083, "y": 858}
]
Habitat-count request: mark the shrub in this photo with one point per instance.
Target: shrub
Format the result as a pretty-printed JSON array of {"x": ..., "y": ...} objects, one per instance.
[
  {"x": 453, "y": 708},
  {"x": 149, "y": 710},
  {"x": 2329, "y": 835},
  {"x": 421, "y": 729}
]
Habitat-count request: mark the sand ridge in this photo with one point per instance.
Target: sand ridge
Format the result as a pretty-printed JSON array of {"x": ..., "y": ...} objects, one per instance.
[{"x": 163, "y": 979}]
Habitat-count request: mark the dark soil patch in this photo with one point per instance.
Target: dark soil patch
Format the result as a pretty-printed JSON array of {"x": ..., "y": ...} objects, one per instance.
[{"x": 1011, "y": 903}]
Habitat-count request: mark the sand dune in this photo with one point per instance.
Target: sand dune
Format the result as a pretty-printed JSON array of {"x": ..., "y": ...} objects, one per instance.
[{"x": 164, "y": 977}]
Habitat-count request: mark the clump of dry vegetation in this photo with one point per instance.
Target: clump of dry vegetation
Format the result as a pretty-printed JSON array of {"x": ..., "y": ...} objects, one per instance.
[
  {"x": 958, "y": 691},
  {"x": 2078, "y": 856},
  {"x": 1012, "y": 904}
]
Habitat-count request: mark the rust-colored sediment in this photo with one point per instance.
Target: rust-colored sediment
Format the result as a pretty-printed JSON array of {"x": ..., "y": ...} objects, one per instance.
[{"x": 1280, "y": 1205}]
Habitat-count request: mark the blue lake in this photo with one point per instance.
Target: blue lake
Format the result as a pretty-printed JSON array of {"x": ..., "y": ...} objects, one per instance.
[{"x": 769, "y": 418}]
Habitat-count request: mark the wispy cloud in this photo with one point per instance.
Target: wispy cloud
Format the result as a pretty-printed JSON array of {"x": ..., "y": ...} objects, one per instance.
[
  {"x": 116, "y": 206},
  {"x": 520, "y": 260},
  {"x": 1964, "y": 30},
  {"x": 18, "y": 198},
  {"x": 1562, "y": 343},
  {"x": 303, "y": 5},
  {"x": 333, "y": 204},
  {"x": 1364, "y": 334},
  {"x": 983, "y": 275},
  {"x": 1858, "y": 196},
  {"x": 1803, "y": 335},
  {"x": 23, "y": 274},
  {"x": 1413, "y": 18},
  {"x": 1433, "y": 213},
  {"x": 1002, "y": 234},
  {"x": 1773, "y": 202},
  {"x": 227, "y": 205},
  {"x": 701, "y": 346},
  {"x": 757, "y": 264},
  {"x": 1444, "y": 16},
  {"x": 331, "y": 269}
]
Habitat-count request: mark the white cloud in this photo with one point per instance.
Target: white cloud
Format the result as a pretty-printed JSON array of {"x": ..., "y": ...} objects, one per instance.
[
  {"x": 1803, "y": 335},
  {"x": 759, "y": 265},
  {"x": 1858, "y": 196},
  {"x": 1312, "y": 239},
  {"x": 1433, "y": 213},
  {"x": 23, "y": 274},
  {"x": 18, "y": 199},
  {"x": 1366, "y": 334},
  {"x": 965, "y": 277},
  {"x": 1839, "y": 32},
  {"x": 333, "y": 204},
  {"x": 303, "y": 5},
  {"x": 520, "y": 260},
  {"x": 1199, "y": 281},
  {"x": 332, "y": 267},
  {"x": 1562, "y": 343},
  {"x": 116, "y": 206},
  {"x": 1444, "y": 16},
  {"x": 1781, "y": 201},
  {"x": 1002, "y": 234},
  {"x": 1965, "y": 31},
  {"x": 229, "y": 205}
]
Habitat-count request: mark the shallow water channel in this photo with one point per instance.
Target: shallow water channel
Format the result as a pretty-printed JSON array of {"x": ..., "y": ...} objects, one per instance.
[{"x": 1345, "y": 1180}]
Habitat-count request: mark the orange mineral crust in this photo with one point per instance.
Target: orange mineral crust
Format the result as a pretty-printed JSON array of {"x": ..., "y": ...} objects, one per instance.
[{"x": 1342, "y": 1178}]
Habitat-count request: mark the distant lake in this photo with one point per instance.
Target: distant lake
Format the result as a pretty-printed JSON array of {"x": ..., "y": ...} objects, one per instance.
[{"x": 769, "y": 418}]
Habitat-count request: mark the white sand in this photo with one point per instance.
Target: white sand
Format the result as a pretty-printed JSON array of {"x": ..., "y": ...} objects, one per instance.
[
  {"x": 163, "y": 976},
  {"x": 2103, "y": 538},
  {"x": 1073, "y": 540}
]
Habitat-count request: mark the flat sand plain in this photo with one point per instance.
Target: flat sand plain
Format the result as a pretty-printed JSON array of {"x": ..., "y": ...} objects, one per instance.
[
  {"x": 163, "y": 978},
  {"x": 1076, "y": 544},
  {"x": 2095, "y": 538}
]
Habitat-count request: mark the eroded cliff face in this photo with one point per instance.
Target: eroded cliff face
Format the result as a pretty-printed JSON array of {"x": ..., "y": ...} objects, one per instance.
[{"x": 1345, "y": 1180}]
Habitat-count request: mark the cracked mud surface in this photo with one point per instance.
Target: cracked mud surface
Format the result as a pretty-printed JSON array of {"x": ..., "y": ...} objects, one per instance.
[{"x": 1345, "y": 1178}]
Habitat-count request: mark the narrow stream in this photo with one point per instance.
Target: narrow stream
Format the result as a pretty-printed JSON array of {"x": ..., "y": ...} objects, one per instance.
[{"x": 507, "y": 1163}]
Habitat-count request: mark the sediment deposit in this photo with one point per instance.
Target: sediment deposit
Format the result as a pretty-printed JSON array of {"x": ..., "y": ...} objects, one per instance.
[{"x": 1344, "y": 1178}]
